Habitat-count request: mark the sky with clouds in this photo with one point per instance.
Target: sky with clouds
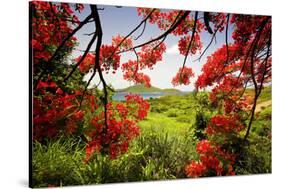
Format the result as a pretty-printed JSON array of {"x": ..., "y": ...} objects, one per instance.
[{"x": 121, "y": 21}]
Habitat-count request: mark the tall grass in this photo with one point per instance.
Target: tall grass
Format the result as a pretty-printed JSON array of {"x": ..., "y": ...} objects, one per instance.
[
  {"x": 162, "y": 151},
  {"x": 152, "y": 156}
]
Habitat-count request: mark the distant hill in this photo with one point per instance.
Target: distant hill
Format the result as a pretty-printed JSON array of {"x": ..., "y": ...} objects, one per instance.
[{"x": 143, "y": 89}]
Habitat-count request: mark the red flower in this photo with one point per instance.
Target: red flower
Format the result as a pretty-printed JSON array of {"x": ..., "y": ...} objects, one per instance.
[
  {"x": 59, "y": 91},
  {"x": 183, "y": 76},
  {"x": 87, "y": 63},
  {"x": 205, "y": 147},
  {"x": 79, "y": 115},
  {"x": 195, "y": 169}
]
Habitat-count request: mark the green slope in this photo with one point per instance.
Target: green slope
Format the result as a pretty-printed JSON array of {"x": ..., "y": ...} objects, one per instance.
[{"x": 143, "y": 89}]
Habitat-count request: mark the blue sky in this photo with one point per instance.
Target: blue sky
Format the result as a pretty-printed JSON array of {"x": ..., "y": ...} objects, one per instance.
[{"x": 121, "y": 21}]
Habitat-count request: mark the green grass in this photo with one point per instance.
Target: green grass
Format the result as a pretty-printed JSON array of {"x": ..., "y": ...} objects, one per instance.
[
  {"x": 162, "y": 151},
  {"x": 161, "y": 123},
  {"x": 172, "y": 114},
  {"x": 58, "y": 163},
  {"x": 265, "y": 95}
]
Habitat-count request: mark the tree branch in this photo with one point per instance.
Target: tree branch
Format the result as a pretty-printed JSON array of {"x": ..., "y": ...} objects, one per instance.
[
  {"x": 211, "y": 41},
  {"x": 167, "y": 32},
  {"x": 137, "y": 27},
  {"x": 191, "y": 39},
  {"x": 53, "y": 57},
  {"x": 144, "y": 26},
  {"x": 257, "y": 90},
  {"x": 97, "y": 61},
  {"x": 82, "y": 58},
  {"x": 87, "y": 85},
  {"x": 226, "y": 39}
]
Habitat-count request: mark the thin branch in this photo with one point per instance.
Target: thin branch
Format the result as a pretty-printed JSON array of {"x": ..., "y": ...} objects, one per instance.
[
  {"x": 87, "y": 85},
  {"x": 156, "y": 46},
  {"x": 68, "y": 37},
  {"x": 60, "y": 47},
  {"x": 144, "y": 26},
  {"x": 227, "y": 49},
  {"x": 211, "y": 41},
  {"x": 191, "y": 39},
  {"x": 89, "y": 34},
  {"x": 226, "y": 39},
  {"x": 167, "y": 32},
  {"x": 82, "y": 58},
  {"x": 174, "y": 22},
  {"x": 137, "y": 67},
  {"x": 135, "y": 29}
]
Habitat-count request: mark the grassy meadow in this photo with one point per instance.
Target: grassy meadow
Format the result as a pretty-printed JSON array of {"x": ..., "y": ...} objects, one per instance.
[{"x": 166, "y": 144}]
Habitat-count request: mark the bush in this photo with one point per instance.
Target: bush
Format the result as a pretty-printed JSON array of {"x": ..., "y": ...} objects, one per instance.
[
  {"x": 254, "y": 158},
  {"x": 173, "y": 112},
  {"x": 152, "y": 156},
  {"x": 58, "y": 163}
]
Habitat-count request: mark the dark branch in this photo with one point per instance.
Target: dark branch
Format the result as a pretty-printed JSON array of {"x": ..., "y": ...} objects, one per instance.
[
  {"x": 226, "y": 39},
  {"x": 211, "y": 41},
  {"x": 167, "y": 32},
  {"x": 206, "y": 21},
  {"x": 82, "y": 58},
  {"x": 97, "y": 61},
  {"x": 87, "y": 85},
  {"x": 137, "y": 27},
  {"x": 144, "y": 26},
  {"x": 60, "y": 47},
  {"x": 137, "y": 66},
  {"x": 257, "y": 89},
  {"x": 89, "y": 34},
  {"x": 191, "y": 39}
]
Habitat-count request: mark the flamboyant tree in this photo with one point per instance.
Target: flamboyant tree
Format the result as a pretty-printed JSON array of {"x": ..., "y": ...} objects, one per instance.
[{"x": 62, "y": 102}]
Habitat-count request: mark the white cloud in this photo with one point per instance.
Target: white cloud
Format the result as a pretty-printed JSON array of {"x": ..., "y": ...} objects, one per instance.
[{"x": 173, "y": 49}]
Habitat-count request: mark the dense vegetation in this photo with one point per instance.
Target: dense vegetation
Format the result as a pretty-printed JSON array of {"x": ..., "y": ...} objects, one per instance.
[
  {"x": 81, "y": 135},
  {"x": 167, "y": 141}
]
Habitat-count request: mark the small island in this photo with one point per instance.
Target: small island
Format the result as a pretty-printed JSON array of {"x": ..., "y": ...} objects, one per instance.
[{"x": 146, "y": 92}]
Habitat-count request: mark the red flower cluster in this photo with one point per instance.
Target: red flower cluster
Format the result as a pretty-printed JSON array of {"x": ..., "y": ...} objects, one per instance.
[
  {"x": 195, "y": 169},
  {"x": 87, "y": 63},
  {"x": 183, "y": 76},
  {"x": 246, "y": 26},
  {"x": 136, "y": 102},
  {"x": 131, "y": 73},
  {"x": 122, "y": 127},
  {"x": 114, "y": 140},
  {"x": 55, "y": 111},
  {"x": 126, "y": 44},
  {"x": 196, "y": 44},
  {"x": 151, "y": 54},
  {"x": 164, "y": 20},
  {"x": 108, "y": 60},
  {"x": 218, "y": 19},
  {"x": 216, "y": 66},
  {"x": 224, "y": 124},
  {"x": 48, "y": 30},
  {"x": 212, "y": 159}
]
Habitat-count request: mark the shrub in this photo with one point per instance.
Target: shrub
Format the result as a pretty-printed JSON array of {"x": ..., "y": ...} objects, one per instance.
[
  {"x": 172, "y": 112},
  {"x": 254, "y": 158},
  {"x": 58, "y": 163}
]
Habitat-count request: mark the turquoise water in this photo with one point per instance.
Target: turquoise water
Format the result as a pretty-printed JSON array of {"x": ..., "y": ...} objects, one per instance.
[{"x": 119, "y": 96}]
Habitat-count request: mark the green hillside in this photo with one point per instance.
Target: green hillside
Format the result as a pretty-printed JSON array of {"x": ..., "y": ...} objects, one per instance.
[{"x": 143, "y": 89}]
